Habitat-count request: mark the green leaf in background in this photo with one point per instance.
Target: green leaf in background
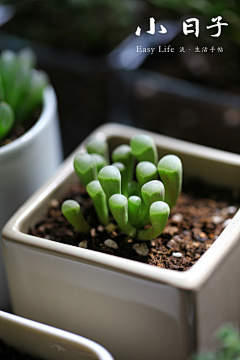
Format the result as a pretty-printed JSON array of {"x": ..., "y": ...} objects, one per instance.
[
  {"x": 21, "y": 86},
  {"x": 6, "y": 119},
  {"x": 34, "y": 97}
]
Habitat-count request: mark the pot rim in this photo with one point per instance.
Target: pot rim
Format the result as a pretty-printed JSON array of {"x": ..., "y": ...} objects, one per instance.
[
  {"x": 48, "y": 109},
  {"x": 191, "y": 279},
  {"x": 50, "y": 331}
]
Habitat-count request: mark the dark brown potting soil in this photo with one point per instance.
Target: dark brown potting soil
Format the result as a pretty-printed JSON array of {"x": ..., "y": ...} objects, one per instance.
[
  {"x": 194, "y": 224},
  {"x": 8, "y": 353}
]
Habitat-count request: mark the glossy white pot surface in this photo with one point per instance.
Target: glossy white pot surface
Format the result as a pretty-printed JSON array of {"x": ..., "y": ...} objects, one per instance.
[{"x": 25, "y": 164}]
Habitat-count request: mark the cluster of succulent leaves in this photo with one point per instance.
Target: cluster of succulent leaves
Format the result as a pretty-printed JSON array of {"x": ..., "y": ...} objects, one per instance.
[
  {"x": 95, "y": 26},
  {"x": 229, "y": 345},
  {"x": 21, "y": 88},
  {"x": 134, "y": 204}
]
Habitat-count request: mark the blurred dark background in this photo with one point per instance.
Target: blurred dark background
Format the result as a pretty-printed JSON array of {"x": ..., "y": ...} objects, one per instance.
[{"x": 88, "y": 48}]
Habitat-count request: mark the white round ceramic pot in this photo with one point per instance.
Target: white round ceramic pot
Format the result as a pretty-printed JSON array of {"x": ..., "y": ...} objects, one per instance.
[{"x": 25, "y": 164}]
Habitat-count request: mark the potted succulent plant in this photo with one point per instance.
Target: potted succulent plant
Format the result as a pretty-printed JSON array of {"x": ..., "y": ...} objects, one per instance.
[
  {"x": 136, "y": 310},
  {"x": 29, "y": 130},
  {"x": 133, "y": 204},
  {"x": 35, "y": 340}
]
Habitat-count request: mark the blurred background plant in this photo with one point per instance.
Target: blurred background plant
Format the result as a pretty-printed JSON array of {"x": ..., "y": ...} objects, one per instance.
[
  {"x": 21, "y": 92},
  {"x": 229, "y": 345}
]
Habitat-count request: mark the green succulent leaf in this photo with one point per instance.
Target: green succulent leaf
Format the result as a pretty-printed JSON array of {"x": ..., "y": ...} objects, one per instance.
[
  {"x": 151, "y": 191},
  {"x": 72, "y": 212},
  {"x": 118, "y": 204},
  {"x": 96, "y": 146},
  {"x": 20, "y": 88},
  {"x": 85, "y": 168},
  {"x": 144, "y": 148},
  {"x": 98, "y": 197},
  {"x": 6, "y": 119},
  {"x": 34, "y": 98},
  {"x": 2, "y": 92},
  {"x": 170, "y": 172},
  {"x": 123, "y": 154},
  {"x": 134, "y": 209},
  {"x": 124, "y": 176},
  {"x": 145, "y": 172},
  {"x": 100, "y": 161},
  {"x": 110, "y": 180},
  {"x": 133, "y": 188},
  {"x": 9, "y": 66},
  {"x": 159, "y": 212}
]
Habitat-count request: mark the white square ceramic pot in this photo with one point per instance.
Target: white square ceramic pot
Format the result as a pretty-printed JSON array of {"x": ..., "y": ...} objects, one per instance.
[
  {"x": 137, "y": 311},
  {"x": 45, "y": 342},
  {"x": 25, "y": 164}
]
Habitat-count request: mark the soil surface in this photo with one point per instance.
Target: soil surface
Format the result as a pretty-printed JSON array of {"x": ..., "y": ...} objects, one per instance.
[
  {"x": 8, "y": 353},
  {"x": 194, "y": 224}
]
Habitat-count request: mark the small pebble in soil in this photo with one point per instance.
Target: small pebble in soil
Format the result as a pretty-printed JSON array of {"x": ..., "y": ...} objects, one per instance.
[
  {"x": 54, "y": 203},
  {"x": 232, "y": 210},
  {"x": 172, "y": 244},
  {"x": 111, "y": 243},
  {"x": 177, "y": 254},
  {"x": 177, "y": 217},
  {"x": 217, "y": 219},
  {"x": 141, "y": 249},
  {"x": 83, "y": 244},
  {"x": 171, "y": 230},
  {"x": 128, "y": 239},
  {"x": 100, "y": 228},
  {"x": 93, "y": 232},
  {"x": 226, "y": 222}
]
